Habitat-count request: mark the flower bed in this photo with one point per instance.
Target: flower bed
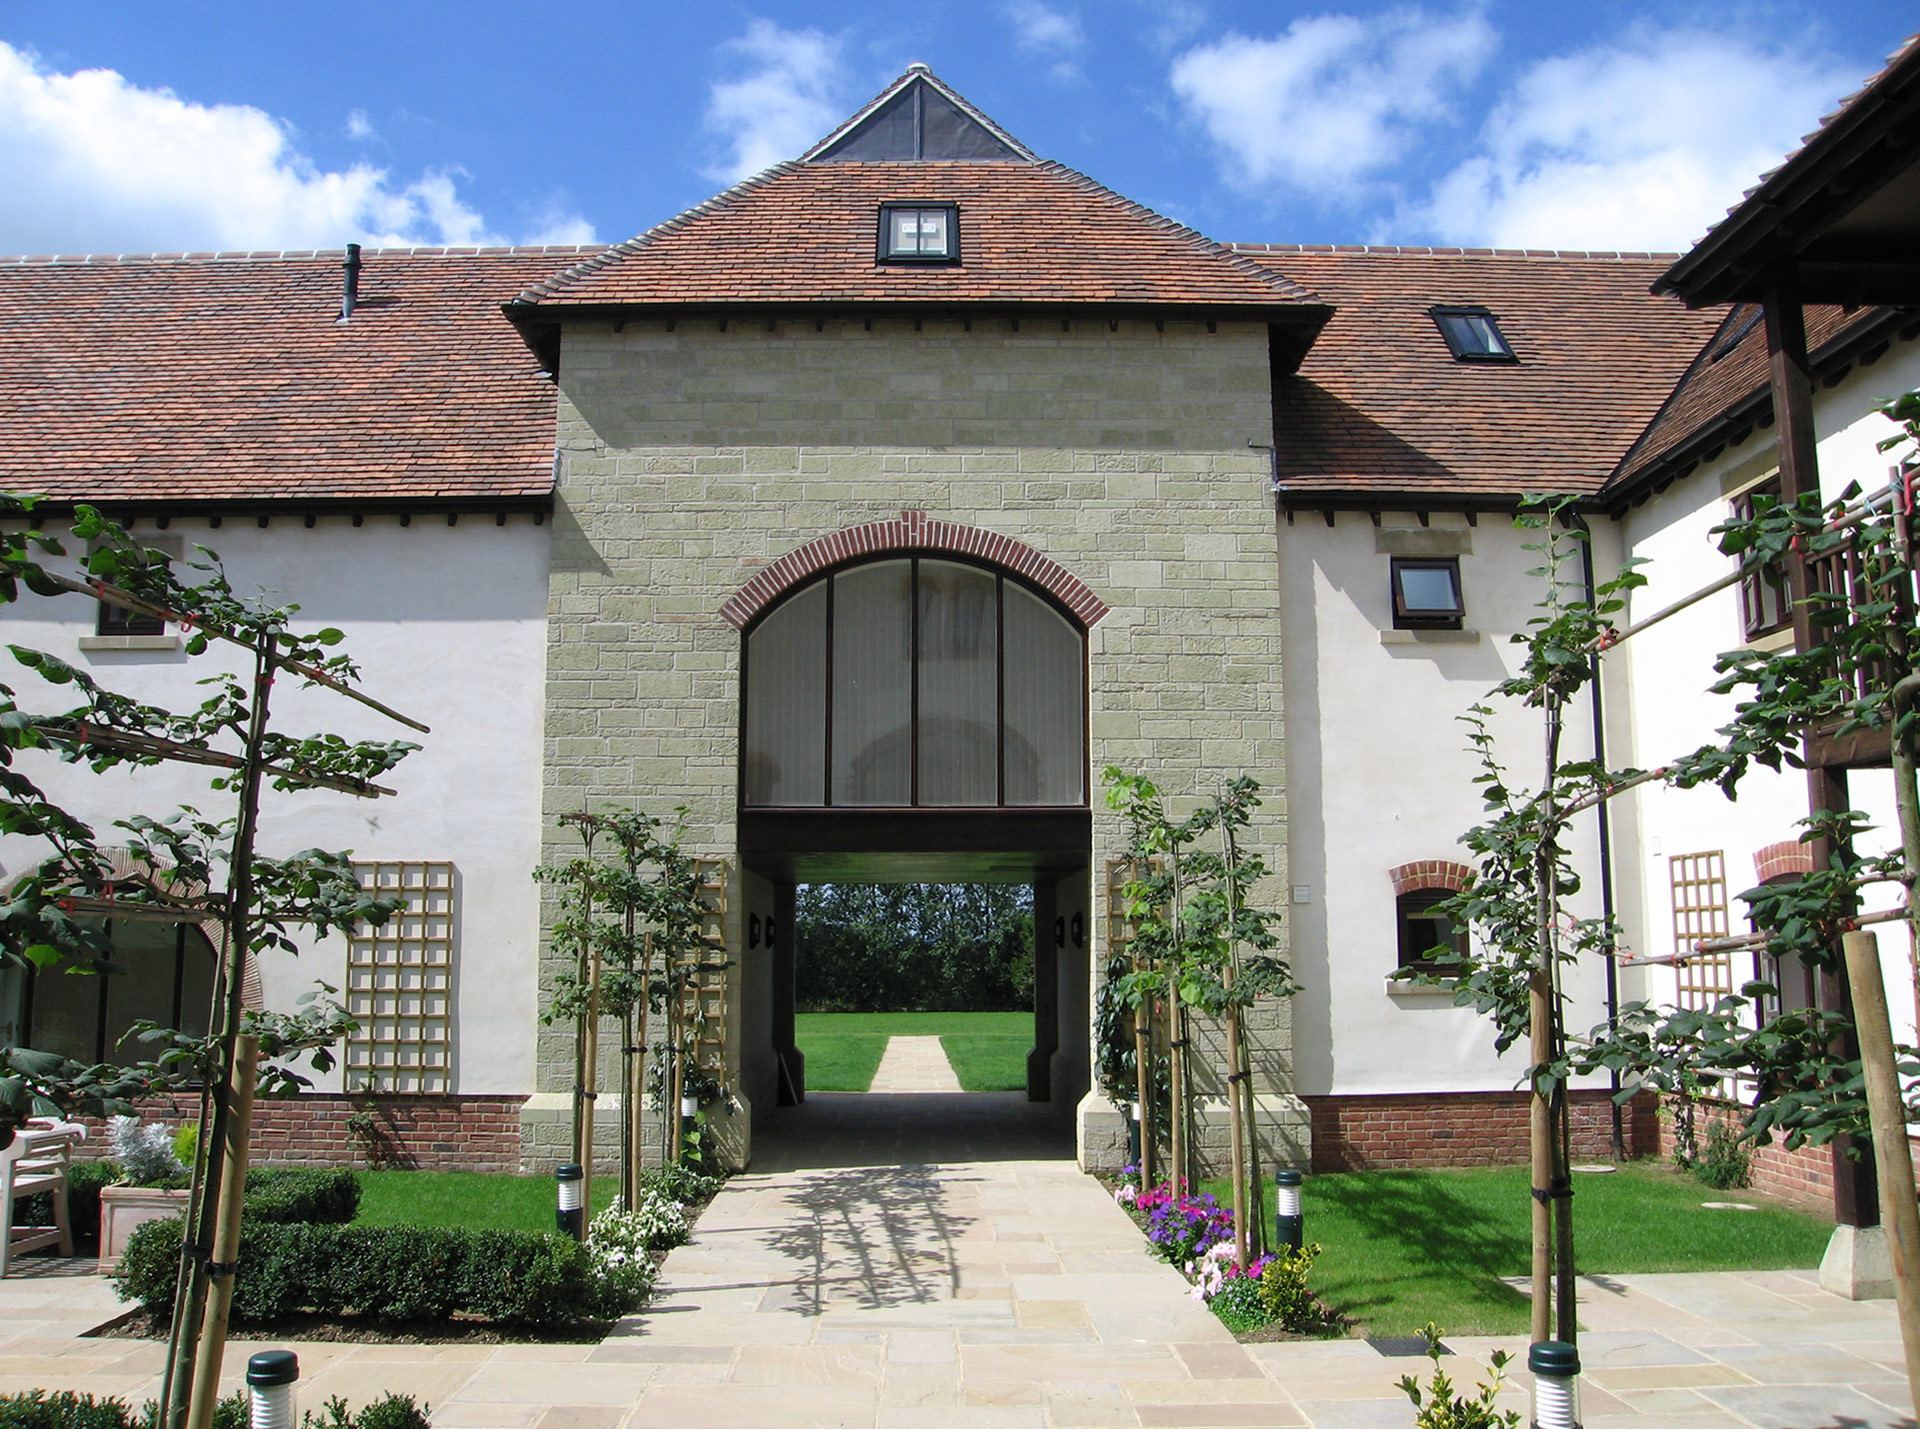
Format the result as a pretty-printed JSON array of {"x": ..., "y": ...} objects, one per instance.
[{"x": 1268, "y": 1298}]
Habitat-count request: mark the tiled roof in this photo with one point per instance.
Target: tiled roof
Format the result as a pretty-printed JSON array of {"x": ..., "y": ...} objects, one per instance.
[
  {"x": 204, "y": 378},
  {"x": 1726, "y": 389},
  {"x": 1030, "y": 233},
  {"x": 1380, "y": 408}
]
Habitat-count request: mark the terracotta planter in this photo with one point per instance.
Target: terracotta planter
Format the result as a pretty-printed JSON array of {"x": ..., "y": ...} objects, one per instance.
[{"x": 124, "y": 1208}]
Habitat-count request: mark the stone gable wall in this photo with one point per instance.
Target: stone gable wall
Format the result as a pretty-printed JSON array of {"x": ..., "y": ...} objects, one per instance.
[{"x": 693, "y": 456}]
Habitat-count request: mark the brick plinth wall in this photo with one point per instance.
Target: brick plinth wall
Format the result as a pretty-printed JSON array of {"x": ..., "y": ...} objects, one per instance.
[
  {"x": 1364, "y": 1133},
  {"x": 1804, "y": 1177},
  {"x": 415, "y": 1133}
]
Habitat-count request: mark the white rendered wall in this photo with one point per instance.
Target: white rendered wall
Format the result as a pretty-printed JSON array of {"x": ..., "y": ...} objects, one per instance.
[
  {"x": 448, "y": 625},
  {"x": 1669, "y": 668},
  {"x": 1379, "y": 775}
]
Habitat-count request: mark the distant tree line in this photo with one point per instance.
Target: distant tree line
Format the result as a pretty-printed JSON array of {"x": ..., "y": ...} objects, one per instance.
[{"x": 914, "y": 947}]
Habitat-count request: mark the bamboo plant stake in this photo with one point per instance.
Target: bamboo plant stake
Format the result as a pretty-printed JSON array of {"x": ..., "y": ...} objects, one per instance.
[
  {"x": 1893, "y": 1154},
  {"x": 679, "y": 1088},
  {"x": 1236, "y": 1129},
  {"x": 226, "y": 1234},
  {"x": 183, "y": 1348},
  {"x": 637, "y": 1069},
  {"x": 1176, "y": 1038},
  {"x": 590, "y": 1054},
  {"x": 1143, "y": 1077}
]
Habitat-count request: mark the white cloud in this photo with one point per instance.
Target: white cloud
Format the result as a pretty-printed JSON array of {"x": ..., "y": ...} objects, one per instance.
[
  {"x": 781, "y": 106},
  {"x": 113, "y": 168},
  {"x": 1035, "y": 27},
  {"x": 1640, "y": 145},
  {"x": 1333, "y": 100},
  {"x": 358, "y": 125}
]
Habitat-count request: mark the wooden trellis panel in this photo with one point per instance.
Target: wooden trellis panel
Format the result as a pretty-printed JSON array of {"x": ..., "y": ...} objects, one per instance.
[
  {"x": 400, "y": 983},
  {"x": 1699, "y": 882},
  {"x": 703, "y": 980}
]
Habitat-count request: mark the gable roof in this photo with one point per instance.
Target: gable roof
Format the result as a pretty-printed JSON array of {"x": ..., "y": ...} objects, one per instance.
[
  {"x": 802, "y": 238},
  {"x": 207, "y": 379},
  {"x": 1725, "y": 394},
  {"x": 1380, "y": 412}
]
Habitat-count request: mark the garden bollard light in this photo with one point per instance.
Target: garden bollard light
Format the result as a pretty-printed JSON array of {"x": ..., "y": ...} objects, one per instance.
[
  {"x": 270, "y": 1377},
  {"x": 1286, "y": 1209},
  {"x": 571, "y": 1219},
  {"x": 1555, "y": 1365},
  {"x": 1133, "y": 1137}
]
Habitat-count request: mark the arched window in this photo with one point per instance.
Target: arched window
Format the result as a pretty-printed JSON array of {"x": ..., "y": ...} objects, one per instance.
[
  {"x": 167, "y": 977},
  {"x": 915, "y": 682}
]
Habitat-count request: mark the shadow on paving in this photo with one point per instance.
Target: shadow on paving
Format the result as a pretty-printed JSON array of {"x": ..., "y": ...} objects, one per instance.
[
  {"x": 878, "y": 1129},
  {"x": 871, "y": 1237}
]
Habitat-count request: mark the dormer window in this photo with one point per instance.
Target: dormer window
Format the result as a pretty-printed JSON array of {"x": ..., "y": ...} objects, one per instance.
[
  {"x": 919, "y": 233},
  {"x": 1472, "y": 335}
]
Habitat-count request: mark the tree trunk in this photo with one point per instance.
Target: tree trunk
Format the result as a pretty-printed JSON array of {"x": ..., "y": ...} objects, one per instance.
[
  {"x": 226, "y": 1235},
  {"x": 1236, "y": 1132}
]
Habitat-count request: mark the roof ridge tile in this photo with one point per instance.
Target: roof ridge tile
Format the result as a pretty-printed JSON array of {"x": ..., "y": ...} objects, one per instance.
[{"x": 261, "y": 255}]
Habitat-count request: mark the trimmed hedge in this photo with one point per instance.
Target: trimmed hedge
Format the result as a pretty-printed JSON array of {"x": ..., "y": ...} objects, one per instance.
[
  {"x": 40, "y": 1410},
  {"x": 322, "y": 1195},
  {"x": 387, "y": 1272}
]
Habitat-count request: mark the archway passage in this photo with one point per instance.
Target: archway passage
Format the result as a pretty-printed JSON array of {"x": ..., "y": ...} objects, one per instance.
[{"x": 917, "y": 717}]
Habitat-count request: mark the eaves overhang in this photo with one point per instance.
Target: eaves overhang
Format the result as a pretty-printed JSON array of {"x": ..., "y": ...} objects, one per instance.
[
  {"x": 1844, "y": 210},
  {"x": 540, "y": 325},
  {"x": 539, "y": 504},
  {"x": 1752, "y": 411}
]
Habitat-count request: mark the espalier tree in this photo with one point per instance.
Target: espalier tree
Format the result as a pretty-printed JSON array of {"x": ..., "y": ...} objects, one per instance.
[
  {"x": 1803, "y": 1066},
  {"x": 1197, "y": 946},
  {"x": 185, "y": 866}
]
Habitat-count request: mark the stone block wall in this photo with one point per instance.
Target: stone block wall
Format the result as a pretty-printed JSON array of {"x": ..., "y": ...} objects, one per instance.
[{"x": 692, "y": 455}]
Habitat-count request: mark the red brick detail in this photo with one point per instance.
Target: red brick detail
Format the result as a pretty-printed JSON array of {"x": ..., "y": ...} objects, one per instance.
[
  {"x": 1429, "y": 873},
  {"x": 1804, "y": 1177},
  {"x": 1378, "y": 1132},
  {"x": 1779, "y": 860},
  {"x": 419, "y": 1133},
  {"x": 913, "y": 532}
]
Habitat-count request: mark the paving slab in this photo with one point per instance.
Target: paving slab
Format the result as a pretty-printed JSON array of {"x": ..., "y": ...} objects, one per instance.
[{"x": 933, "y": 1260}]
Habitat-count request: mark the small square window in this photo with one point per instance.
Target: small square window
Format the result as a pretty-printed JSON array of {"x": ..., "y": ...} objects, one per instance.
[
  {"x": 1426, "y": 593},
  {"x": 1472, "y": 335},
  {"x": 117, "y": 620},
  {"x": 1426, "y": 932},
  {"x": 919, "y": 233}
]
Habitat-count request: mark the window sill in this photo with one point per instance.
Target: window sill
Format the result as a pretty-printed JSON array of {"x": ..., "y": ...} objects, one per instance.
[
  {"x": 92, "y": 643},
  {"x": 1429, "y": 637},
  {"x": 1772, "y": 641},
  {"x": 1422, "y": 991}
]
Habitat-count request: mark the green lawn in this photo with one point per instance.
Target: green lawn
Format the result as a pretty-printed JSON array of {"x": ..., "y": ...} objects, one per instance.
[
  {"x": 460, "y": 1198},
  {"x": 1400, "y": 1248},
  {"x": 843, "y": 1049}
]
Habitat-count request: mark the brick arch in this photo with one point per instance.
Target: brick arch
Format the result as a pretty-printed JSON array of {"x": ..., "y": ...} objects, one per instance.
[
  {"x": 1790, "y": 857},
  {"x": 1428, "y": 873},
  {"x": 912, "y": 532}
]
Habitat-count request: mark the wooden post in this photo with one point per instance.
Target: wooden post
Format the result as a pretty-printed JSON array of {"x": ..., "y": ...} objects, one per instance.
[
  {"x": 1893, "y": 1154},
  {"x": 590, "y": 1086},
  {"x": 1176, "y": 1085},
  {"x": 637, "y": 1084},
  {"x": 226, "y": 1235},
  {"x": 1143, "y": 1080}
]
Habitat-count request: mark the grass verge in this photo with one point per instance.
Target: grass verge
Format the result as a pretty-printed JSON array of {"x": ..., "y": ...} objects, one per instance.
[
  {"x": 459, "y": 1198},
  {"x": 1405, "y": 1247},
  {"x": 988, "y": 1050}
]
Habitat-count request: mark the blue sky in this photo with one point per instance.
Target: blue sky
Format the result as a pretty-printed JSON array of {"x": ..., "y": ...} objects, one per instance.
[{"x": 140, "y": 128}]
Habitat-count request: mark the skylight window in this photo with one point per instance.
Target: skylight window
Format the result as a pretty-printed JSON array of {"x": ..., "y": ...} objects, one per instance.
[
  {"x": 919, "y": 233},
  {"x": 1472, "y": 335}
]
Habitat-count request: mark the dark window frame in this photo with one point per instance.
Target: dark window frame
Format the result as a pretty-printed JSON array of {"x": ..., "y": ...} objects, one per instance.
[
  {"x": 1417, "y": 907},
  {"x": 884, "y": 252},
  {"x": 1406, "y": 618},
  {"x": 1766, "y": 606},
  {"x": 1447, "y": 318}
]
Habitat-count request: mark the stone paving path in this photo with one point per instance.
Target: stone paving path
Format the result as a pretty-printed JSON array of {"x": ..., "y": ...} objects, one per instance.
[
  {"x": 921, "y": 1261},
  {"x": 914, "y": 1064}
]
